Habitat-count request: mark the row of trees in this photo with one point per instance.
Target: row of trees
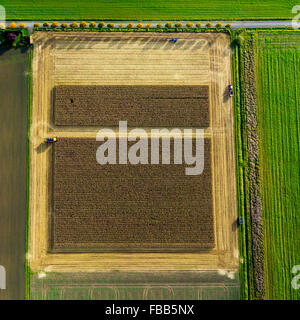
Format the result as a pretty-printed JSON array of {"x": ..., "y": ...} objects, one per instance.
[
  {"x": 13, "y": 25},
  {"x": 100, "y": 25}
]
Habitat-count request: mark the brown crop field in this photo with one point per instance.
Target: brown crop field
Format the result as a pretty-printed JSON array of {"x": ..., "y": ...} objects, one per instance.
[
  {"x": 131, "y": 59},
  {"x": 128, "y": 207},
  {"x": 145, "y": 106}
]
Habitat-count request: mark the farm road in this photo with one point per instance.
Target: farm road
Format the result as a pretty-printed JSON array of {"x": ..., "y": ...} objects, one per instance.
[{"x": 235, "y": 25}]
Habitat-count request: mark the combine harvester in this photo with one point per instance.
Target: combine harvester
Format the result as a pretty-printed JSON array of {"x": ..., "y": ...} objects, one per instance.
[{"x": 51, "y": 140}]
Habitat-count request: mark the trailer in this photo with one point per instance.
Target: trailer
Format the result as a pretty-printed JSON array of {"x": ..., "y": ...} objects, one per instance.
[{"x": 51, "y": 140}]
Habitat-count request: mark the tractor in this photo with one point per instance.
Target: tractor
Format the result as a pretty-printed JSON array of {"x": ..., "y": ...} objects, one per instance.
[
  {"x": 50, "y": 140},
  {"x": 241, "y": 221},
  {"x": 230, "y": 90}
]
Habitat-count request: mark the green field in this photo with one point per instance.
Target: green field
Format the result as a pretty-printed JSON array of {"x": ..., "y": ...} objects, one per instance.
[
  {"x": 276, "y": 79},
  {"x": 148, "y": 10},
  {"x": 171, "y": 285},
  {"x": 278, "y": 82}
]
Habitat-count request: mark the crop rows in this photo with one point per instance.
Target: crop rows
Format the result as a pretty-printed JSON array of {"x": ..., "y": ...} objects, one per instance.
[
  {"x": 146, "y": 106},
  {"x": 102, "y": 207},
  {"x": 153, "y": 10},
  {"x": 279, "y": 133},
  {"x": 13, "y": 86}
]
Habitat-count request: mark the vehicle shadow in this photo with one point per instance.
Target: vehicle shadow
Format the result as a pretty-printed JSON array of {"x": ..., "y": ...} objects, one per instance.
[
  {"x": 42, "y": 147},
  {"x": 235, "y": 225},
  {"x": 226, "y": 96}
]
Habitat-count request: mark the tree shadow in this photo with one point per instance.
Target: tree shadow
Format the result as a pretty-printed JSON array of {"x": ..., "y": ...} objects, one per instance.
[{"x": 21, "y": 49}]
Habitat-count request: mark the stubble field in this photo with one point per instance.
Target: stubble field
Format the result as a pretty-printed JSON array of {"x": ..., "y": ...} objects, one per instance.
[
  {"x": 135, "y": 59},
  {"x": 167, "y": 285}
]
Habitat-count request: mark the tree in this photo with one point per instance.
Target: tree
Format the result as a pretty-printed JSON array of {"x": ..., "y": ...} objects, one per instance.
[
  {"x": 208, "y": 25},
  {"x": 93, "y": 24},
  {"x": 178, "y": 25},
  {"x": 121, "y": 25},
  {"x": 228, "y": 25},
  {"x": 13, "y": 25},
  {"x": 36, "y": 25},
  {"x": 83, "y": 24},
  {"x": 74, "y": 25},
  {"x": 148, "y": 26},
  {"x": 101, "y": 25},
  {"x": 198, "y": 25},
  {"x": 64, "y": 25},
  {"x": 11, "y": 37},
  {"x": 237, "y": 41},
  {"x": 168, "y": 25},
  {"x": 46, "y": 24},
  {"x": 110, "y": 25},
  {"x": 159, "y": 25},
  {"x": 22, "y": 25},
  {"x": 2, "y": 26},
  {"x": 219, "y": 25},
  {"x": 129, "y": 26},
  {"x": 139, "y": 25},
  {"x": 55, "y": 25},
  {"x": 189, "y": 24}
]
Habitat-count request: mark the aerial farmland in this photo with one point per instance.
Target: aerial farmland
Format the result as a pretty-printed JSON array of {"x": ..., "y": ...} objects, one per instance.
[{"x": 149, "y": 151}]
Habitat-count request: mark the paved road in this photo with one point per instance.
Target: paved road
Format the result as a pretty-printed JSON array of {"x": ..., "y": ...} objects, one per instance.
[{"x": 235, "y": 25}]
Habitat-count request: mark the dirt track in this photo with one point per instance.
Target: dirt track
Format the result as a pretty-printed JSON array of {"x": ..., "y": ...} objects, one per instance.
[{"x": 145, "y": 59}]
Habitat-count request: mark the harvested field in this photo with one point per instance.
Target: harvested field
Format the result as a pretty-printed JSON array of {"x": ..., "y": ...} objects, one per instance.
[
  {"x": 135, "y": 59},
  {"x": 170, "y": 285},
  {"x": 147, "y": 106},
  {"x": 128, "y": 207}
]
